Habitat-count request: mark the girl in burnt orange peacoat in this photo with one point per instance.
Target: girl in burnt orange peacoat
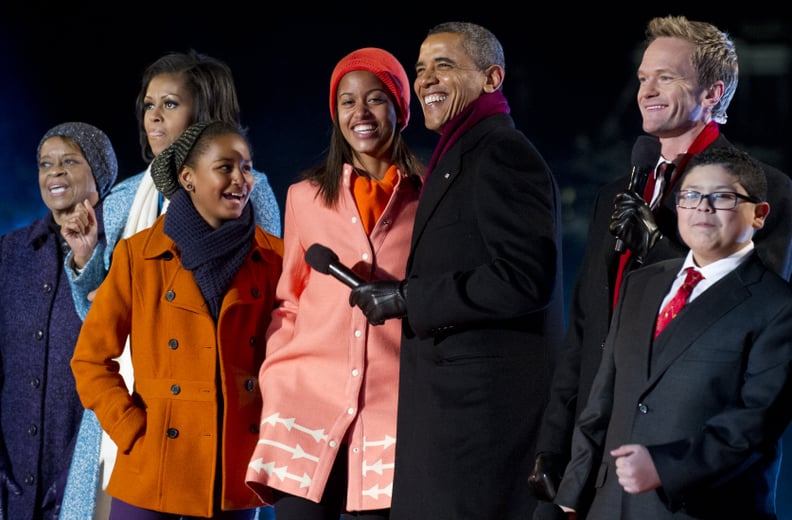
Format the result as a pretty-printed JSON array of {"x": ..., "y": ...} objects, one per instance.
[{"x": 195, "y": 296}]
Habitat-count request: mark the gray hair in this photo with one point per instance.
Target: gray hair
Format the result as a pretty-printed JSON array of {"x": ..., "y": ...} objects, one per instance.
[{"x": 479, "y": 43}]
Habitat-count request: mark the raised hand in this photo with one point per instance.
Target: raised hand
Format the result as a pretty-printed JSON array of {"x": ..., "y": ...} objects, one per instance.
[
  {"x": 632, "y": 221},
  {"x": 81, "y": 231}
]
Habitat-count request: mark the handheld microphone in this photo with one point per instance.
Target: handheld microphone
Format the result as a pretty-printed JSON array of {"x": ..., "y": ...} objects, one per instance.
[
  {"x": 645, "y": 153},
  {"x": 324, "y": 260}
]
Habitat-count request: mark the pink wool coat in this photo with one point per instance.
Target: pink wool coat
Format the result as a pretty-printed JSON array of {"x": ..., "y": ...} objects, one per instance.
[
  {"x": 166, "y": 429},
  {"x": 330, "y": 377}
]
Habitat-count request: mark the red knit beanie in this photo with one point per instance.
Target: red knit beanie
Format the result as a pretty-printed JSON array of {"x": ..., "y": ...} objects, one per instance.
[{"x": 382, "y": 64}]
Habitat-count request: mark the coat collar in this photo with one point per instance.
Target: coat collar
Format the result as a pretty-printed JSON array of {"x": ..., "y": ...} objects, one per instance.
[{"x": 683, "y": 332}]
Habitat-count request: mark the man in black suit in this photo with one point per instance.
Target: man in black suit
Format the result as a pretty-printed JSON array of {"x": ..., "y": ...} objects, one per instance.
[
  {"x": 686, "y": 421},
  {"x": 682, "y": 102},
  {"x": 482, "y": 300}
]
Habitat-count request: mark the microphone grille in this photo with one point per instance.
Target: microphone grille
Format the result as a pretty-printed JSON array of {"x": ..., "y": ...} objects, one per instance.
[
  {"x": 646, "y": 152},
  {"x": 320, "y": 257}
]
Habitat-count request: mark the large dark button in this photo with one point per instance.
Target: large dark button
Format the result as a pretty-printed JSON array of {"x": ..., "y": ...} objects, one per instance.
[
  {"x": 257, "y": 256},
  {"x": 255, "y": 292},
  {"x": 170, "y": 296},
  {"x": 254, "y": 428},
  {"x": 252, "y": 341},
  {"x": 175, "y": 389},
  {"x": 47, "y": 287},
  {"x": 32, "y": 430},
  {"x": 35, "y": 382},
  {"x": 173, "y": 343},
  {"x": 39, "y": 334},
  {"x": 250, "y": 385},
  {"x": 173, "y": 433},
  {"x": 30, "y": 479}
]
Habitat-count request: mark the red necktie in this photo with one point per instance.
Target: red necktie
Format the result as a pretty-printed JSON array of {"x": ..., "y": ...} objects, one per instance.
[
  {"x": 679, "y": 300},
  {"x": 648, "y": 193}
]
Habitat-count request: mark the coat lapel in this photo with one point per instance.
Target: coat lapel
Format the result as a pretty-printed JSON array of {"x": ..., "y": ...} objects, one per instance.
[
  {"x": 700, "y": 316},
  {"x": 445, "y": 174},
  {"x": 639, "y": 310}
]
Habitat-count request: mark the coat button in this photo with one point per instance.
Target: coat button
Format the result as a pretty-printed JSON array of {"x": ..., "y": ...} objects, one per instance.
[
  {"x": 175, "y": 389},
  {"x": 35, "y": 382},
  {"x": 257, "y": 256},
  {"x": 170, "y": 296},
  {"x": 643, "y": 408},
  {"x": 32, "y": 430},
  {"x": 47, "y": 287},
  {"x": 30, "y": 479},
  {"x": 255, "y": 292},
  {"x": 254, "y": 428},
  {"x": 173, "y": 433},
  {"x": 252, "y": 341},
  {"x": 250, "y": 385},
  {"x": 39, "y": 334},
  {"x": 173, "y": 343}
]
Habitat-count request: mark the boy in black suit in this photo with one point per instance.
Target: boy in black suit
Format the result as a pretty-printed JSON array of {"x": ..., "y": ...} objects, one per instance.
[{"x": 689, "y": 422}]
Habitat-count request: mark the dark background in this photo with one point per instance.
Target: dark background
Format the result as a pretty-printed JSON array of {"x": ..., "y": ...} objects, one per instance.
[{"x": 570, "y": 82}]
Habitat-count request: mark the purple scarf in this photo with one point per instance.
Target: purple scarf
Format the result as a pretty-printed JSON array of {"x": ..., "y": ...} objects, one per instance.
[{"x": 480, "y": 108}]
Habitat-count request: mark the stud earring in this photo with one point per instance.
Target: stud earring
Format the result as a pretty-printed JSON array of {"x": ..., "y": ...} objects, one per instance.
[{"x": 189, "y": 187}]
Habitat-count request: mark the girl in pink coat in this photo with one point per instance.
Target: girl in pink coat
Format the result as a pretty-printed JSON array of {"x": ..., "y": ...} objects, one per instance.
[{"x": 330, "y": 380}]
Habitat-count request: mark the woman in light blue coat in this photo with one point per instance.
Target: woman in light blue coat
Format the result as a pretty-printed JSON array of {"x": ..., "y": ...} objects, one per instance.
[{"x": 177, "y": 90}]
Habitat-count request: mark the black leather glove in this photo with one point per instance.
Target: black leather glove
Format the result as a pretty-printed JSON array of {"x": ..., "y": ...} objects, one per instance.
[
  {"x": 549, "y": 511},
  {"x": 546, "y": 475},
  {"x": 381, "y": 300},
  {"x": 632, "y": 221},
  {"x": 7, "y": 484}
]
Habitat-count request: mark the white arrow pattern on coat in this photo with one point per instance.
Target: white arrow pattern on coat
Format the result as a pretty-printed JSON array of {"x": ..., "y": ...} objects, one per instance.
[
  {"x": 281, "y": 473},
  {"x": 385, "y": 443},
  {"x": 272, "y": 420},
  {"x": 374, "y": 492},
  {"x": 297, "y": 452},
  {"x": 376, "y": 467}
]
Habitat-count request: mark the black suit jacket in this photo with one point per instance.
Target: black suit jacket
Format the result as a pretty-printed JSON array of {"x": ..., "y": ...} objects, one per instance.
[
  {"x": 485, "y": 310},
  {"x": 709, "y": 397},
  {"x": 591, "y": 305}
]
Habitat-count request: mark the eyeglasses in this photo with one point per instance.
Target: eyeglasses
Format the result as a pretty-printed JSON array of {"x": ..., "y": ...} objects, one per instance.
[{"x": 717, "y": 199}]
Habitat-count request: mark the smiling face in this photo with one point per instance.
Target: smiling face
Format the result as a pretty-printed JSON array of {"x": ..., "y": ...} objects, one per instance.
[
  {"x": 221, "y": 179},
  {"x": 367, "y": 117},
  {"x": 671, "y": 101},
  {"x": 715, "y": 234},
  {"x": 65, "y": 177},
  {"x": 168, "y": 110},
  {"x": 447, "y": 79}
]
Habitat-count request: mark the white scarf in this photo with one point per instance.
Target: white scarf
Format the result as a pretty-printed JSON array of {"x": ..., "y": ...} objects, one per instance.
[{"x": 145, "y": 206}]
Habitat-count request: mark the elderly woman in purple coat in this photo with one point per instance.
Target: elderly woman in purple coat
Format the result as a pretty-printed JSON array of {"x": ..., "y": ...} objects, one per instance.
[{"x": 40, "y": 411}]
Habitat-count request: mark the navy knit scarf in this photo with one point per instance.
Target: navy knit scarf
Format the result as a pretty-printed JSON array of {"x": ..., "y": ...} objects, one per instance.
[{"x": 213, "y": 255}]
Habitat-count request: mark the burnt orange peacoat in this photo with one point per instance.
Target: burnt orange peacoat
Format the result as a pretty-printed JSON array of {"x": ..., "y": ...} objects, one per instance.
[{"x": 167, "y": 427}]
